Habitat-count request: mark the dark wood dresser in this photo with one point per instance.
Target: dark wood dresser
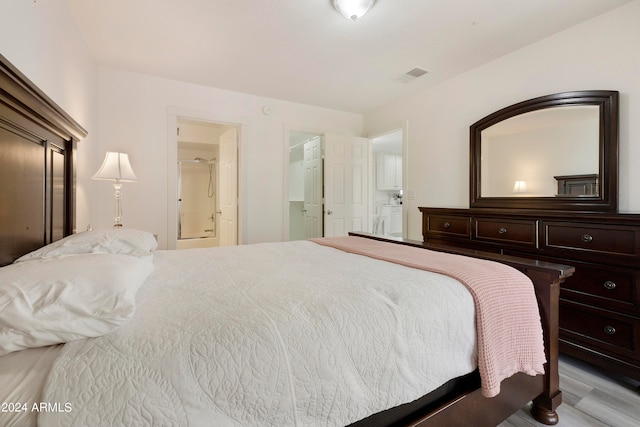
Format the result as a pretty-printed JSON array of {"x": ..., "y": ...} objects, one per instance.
[{"x": 600, "y": 303}]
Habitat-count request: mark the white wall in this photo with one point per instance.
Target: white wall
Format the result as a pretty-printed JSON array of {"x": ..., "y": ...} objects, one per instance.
[
  {"x": 602, "y": 53},
  {"x": 133, "y": 118},
  {"x": 41, "y": 39}
]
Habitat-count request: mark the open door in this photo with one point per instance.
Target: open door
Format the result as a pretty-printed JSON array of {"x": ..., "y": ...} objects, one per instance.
[
  {"x": 228, "y": 188},
  {"x": 346, "y": 170},
  {"x": 313, "y": 188}
]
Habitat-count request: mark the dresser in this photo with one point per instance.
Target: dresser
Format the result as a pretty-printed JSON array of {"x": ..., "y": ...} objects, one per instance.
[{"x": 600, "y": 303}]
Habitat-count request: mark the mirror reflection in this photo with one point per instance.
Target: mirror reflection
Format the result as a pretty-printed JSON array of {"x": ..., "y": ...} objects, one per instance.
[{"x": 543, "y": 153}]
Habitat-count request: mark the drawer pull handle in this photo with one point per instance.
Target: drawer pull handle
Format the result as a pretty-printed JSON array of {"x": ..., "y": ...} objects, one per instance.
[
  {"x": 502, "y": 230},
  {"x": 587, "y": 238},
  {"x": 609, "y": 285},
  {"x": 447, "y": 225},
  {"x": 610, "y": 330}
]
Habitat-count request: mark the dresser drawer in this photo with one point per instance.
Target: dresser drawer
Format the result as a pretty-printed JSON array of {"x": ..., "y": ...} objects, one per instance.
[
  {"x": 615, "y": 334},
  {"x": 592, "y": 238},
  {"x": 617, "y": 289},
  {"x": 454, "y": 226},
  {"x": 511, "y": 231}
]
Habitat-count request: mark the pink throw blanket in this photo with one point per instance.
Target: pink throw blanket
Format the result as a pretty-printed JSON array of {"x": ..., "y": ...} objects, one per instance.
[{"x": 509, "y": 332}]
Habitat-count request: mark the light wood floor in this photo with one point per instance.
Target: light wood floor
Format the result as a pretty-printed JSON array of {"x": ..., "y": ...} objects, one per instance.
[{"x": 590, "y": 398}]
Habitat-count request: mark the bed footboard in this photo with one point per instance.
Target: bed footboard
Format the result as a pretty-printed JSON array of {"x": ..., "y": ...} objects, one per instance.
[{"x": 469, "y": 407}]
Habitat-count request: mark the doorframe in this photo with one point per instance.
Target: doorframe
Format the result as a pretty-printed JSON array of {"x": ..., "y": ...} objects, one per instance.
[
  {"x": 242, "y": 138},
  {"x": 404, "y": 127},
  {"x": 286, "y": 130}
]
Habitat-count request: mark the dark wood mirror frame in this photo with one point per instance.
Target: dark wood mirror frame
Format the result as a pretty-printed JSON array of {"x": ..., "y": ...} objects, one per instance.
[{"x": 606, "y": 201}]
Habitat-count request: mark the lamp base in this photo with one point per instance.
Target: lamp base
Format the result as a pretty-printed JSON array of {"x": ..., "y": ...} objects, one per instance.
[{"x": 118, "y": 213}]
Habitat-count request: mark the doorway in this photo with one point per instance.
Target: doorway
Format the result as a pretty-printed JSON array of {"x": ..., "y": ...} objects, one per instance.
[
  {"x": 197, "y": 196},
  {"x": 207, "y": 184},
  {"x": 387, "y": 179},
  {"x": 306, "y": 195},
  {"x": 328, "y": 185}
]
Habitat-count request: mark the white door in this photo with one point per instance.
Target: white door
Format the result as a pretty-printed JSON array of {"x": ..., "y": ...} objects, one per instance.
[
  {"x": 228, "y": 188},
  {"x": 313, "y": 188},
  {"x": 346, "y": 168}
]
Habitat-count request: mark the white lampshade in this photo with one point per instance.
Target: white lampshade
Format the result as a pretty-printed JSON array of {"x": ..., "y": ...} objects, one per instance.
[
  {"x": 520, "y": 187},
  {"x": 353, "y": 9},
  {"x": 116, "y": 167}
]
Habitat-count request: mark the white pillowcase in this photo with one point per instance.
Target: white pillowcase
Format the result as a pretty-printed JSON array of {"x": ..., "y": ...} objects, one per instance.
[
  {"x": 50, "y": 301},
  {"x": 110, "y": 241}
]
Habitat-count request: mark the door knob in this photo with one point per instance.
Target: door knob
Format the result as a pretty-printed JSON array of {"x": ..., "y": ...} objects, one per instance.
[{"x": 329, "y": 211}]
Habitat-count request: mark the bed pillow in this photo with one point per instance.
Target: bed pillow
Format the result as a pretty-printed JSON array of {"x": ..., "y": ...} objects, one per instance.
[
  {"x": 112, "y": 241},
  {"x": 56, "y": 300}
]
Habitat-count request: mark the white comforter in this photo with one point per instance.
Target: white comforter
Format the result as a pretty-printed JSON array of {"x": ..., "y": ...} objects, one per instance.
[{"x": 281, "y": 334}]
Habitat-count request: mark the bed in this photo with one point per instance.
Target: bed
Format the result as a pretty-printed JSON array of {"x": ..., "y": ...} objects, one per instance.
[{"x": 346, "y": 331}]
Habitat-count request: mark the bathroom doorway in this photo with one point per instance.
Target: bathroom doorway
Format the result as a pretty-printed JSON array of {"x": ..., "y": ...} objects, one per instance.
[
  {"x": 206, "y": 184},
  {"x": 197, "y": 213}
]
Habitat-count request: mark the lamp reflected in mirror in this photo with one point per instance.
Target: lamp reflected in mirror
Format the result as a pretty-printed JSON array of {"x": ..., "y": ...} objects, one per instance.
[{"x": 520, "y": 187}]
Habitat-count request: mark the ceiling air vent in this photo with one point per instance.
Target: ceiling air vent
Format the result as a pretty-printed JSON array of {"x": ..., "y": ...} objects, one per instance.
[{"x": 410, "y": 75}]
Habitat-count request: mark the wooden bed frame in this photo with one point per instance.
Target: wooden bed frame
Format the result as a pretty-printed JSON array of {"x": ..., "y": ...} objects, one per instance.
[
  {"x": 37, "y": 177},
  {"x": 37, "y": 195},
  {"x": 467, "y": 406}
]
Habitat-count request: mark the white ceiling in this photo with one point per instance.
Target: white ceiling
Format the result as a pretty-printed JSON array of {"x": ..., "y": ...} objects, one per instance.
[{"x": 304, "y": 51}]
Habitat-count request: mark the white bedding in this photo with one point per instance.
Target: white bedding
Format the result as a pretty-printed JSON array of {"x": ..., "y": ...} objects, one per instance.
[
  {"x": 22, "y": 377},
  {"x": 272, "y": 334}
]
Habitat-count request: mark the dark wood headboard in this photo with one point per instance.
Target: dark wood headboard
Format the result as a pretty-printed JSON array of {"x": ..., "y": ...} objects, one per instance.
[{"x": 37, "y": 181}]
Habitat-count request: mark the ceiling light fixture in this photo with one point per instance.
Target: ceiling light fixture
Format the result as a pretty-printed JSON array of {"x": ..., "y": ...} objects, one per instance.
[{"x": 353, "y": 9}]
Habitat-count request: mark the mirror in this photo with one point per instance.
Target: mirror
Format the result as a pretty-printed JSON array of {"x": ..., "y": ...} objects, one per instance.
[{"x": 553, "y": 152}]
